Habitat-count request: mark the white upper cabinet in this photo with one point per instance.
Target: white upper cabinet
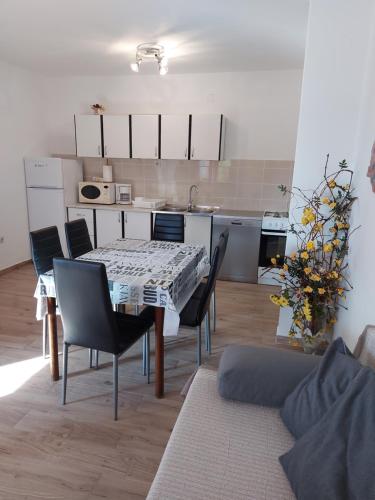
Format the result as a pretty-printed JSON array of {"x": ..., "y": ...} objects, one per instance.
[
  {"x": 174, "y": 137},
  {"x": 88, "y": 135},
  {"x": 206, "y": 135},
  {"x": 116, "y": 136},
  {"x": 145, "y": 136}
]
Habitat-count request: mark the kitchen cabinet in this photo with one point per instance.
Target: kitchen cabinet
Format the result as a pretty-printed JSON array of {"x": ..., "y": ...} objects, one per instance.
[
  {"x": 137, "y": 225},
  {"x": 88, "y": 135},
  {"x": 145, "y": 136},
  {"x": 174, "y": 133},
  {"x": 198, "y": 231},
  {"x": 116, "y": 136},
  {"x": 108, "y": 226},
  {"x": 206, "y": 137},
  {"x": 88, "y": 215}
]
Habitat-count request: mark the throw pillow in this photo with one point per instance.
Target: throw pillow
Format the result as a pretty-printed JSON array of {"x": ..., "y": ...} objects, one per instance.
[
  {"x": 335, "y": 459},
  {"x": 263, "y": 376},
  {"x": 312, "y": 397}
]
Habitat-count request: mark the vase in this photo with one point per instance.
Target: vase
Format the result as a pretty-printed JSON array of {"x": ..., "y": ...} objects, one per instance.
[{"x": 311, "y": 343}]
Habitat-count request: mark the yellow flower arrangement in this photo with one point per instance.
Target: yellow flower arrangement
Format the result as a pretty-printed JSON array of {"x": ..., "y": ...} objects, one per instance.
[
  {"x": 310, "y": 245},
  {"x": 327, "y": 247},
  {"x": 311, "y": 276}
]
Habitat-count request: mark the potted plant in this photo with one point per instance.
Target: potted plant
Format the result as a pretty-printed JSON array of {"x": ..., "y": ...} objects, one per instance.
[{"x": 313, "y": 276}]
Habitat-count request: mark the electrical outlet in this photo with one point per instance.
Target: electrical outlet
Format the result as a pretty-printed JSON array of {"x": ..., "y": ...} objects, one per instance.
[{"x": 1, "y": 239}]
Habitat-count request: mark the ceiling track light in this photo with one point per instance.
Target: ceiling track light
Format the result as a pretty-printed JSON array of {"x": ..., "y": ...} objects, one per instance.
[{"x": 150, "y": 52}]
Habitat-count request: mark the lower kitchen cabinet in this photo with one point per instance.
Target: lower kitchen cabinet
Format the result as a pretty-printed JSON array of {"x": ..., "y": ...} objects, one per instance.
[
  {"x": 108, "y": 226},
  {"x": 88, "y": 215},
  {"x": 198, "y": 231},
  {"x": 137, "y": 225}
]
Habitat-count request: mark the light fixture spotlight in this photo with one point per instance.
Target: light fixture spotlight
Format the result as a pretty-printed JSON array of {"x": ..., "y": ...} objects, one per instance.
[{"x": 151, "y": 52}]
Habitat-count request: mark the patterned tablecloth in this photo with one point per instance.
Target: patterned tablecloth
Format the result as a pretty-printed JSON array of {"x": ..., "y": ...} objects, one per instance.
[{"x": 156, "y": 273}]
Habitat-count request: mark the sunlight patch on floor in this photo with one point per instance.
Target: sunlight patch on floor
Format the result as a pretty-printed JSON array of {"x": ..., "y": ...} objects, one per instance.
[{"x": 15, "y": 375}]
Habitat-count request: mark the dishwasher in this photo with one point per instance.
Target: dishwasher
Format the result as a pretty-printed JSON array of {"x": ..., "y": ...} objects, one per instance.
[{"x": 241, "y": 258}]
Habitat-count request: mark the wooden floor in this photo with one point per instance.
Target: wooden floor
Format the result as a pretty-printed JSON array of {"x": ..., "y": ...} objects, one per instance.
[{"x": 77, "y": 451}]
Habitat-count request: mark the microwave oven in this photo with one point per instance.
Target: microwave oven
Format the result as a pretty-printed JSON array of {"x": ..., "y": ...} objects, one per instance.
[{"x": 97, "y": 192}]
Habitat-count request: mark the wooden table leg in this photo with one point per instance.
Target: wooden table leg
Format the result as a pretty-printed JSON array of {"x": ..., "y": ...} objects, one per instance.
[
  {"x": 159, "y": 352},
  {"x": 52, "y": 332}
]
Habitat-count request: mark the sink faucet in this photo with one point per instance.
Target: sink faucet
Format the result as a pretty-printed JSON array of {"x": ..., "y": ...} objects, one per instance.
[{"x": 190, "y": 204}]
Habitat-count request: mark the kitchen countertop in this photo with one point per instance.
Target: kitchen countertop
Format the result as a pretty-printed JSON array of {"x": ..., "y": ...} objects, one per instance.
[{"x": 251, "y": 214}]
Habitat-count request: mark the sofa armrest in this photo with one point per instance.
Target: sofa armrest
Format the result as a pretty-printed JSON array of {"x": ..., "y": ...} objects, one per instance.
[{"x": 260, "y": 375}]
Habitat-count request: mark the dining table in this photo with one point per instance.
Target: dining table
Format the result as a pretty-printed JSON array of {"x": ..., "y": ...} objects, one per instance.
[{"x": 155, "y": 273}]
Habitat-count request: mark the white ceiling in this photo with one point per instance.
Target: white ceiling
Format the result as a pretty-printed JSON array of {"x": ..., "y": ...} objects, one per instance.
[{"x": 99, "y": 37}]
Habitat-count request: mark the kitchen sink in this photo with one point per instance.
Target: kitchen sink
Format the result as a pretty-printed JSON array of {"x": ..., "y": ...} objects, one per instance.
[
  {"x": 196, "y": 209},
  {"x": 173, "y": 208},
  {"x": 202, "y": 210}
]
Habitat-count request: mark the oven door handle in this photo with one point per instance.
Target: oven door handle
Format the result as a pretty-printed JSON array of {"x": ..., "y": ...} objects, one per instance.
[{"x": 274, "y": 233}]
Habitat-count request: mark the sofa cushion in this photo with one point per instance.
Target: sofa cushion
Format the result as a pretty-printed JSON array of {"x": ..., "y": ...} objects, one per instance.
[
  {"x": 264, "y": 376},
  {"x": 335, "y": 459},
  {"x": 310, "y": 400},
  {"x": 223, "y": 450}
]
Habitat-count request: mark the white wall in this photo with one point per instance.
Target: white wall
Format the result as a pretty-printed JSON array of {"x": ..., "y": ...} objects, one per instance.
[
  {"x": 22, "y": 133},
  {"x": 261, "y": 106},
  {"x": 336, "y": 64},
  {"x": 360, "y": 302}
]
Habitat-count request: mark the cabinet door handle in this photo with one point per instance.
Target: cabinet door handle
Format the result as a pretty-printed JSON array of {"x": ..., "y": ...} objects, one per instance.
[
  {"x": 119, "y": 217},
  {"x": 156, "y": 151},
  {"x": 99, "y": 150},
  {"x": 105, "y": 150},
  {"x": 126, "y": 218},
  {"x": 192, "y": 152},
  {"x": 185, "y": 152}
]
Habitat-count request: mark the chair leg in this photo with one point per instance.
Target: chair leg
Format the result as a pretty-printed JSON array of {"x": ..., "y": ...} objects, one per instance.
[
  {"x": 90, "y": 357},
  {"x": 45, "y": 336},
  {"x": 199, "y": 346},
  {"x": 214, "y": 310},
  {"x": 209, "y": 333},
  {"x": 148, "y": 355},
  {"x": 96, "y": 359},
  {"x": 65, "y": 370},
  {"x": 136, "y": 310},
  {"x": 115, "y": 386},
  {"x": 144, "y": 354}
]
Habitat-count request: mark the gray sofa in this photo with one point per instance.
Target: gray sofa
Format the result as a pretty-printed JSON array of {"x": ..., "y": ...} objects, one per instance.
[{"x": 228, "y": 450}]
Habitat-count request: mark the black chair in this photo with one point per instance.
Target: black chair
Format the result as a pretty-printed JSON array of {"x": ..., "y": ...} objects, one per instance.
[
  {"x": 197, "y": 309},
  {"x": 77, "y": 238},
  {"x": 225, "y": 236},
  {"x": 88, "y": 318},
  {"x": 169, "y": 227},
  {"x": 45, "y": 245}
]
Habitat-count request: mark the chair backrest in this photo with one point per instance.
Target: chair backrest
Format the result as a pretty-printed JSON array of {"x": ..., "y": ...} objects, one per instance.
[
  {"x": 85, "y": 305},
  {"x": 223, "y": 236},
  {"x": 169, "y": 227},
  {"x": 77, "y": 238},
  {"x": 204, "y": 302},
  {"x": 45, "y": 245}
]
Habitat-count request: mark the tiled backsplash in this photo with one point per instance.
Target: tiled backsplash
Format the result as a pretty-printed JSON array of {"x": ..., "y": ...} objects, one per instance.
[{"x": 237, "y": 184}]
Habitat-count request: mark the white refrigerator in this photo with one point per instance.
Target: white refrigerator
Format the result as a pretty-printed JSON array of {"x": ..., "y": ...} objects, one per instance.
[{"x": 51, "y": 185}]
